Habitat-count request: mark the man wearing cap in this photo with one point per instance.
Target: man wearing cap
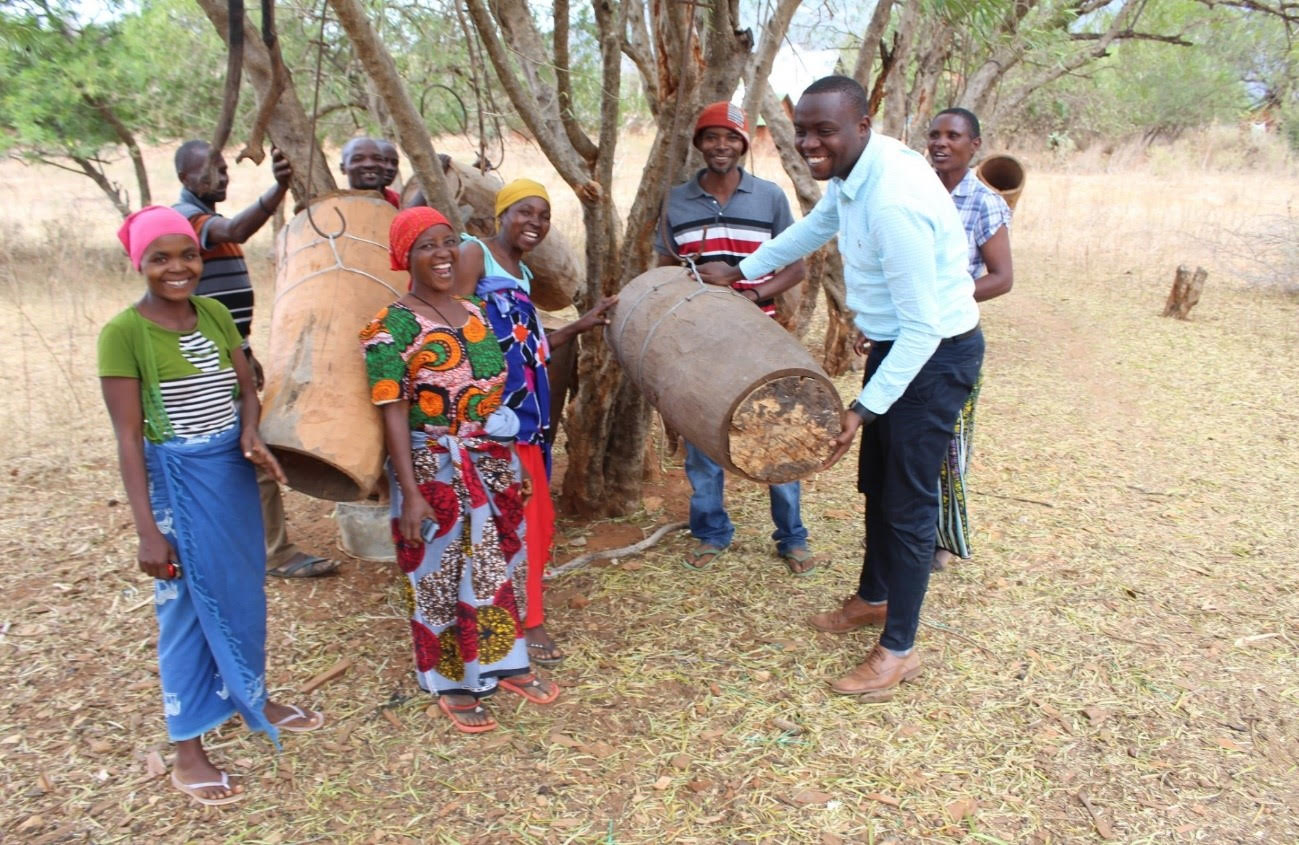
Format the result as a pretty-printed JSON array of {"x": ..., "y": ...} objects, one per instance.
[{"x": 724, "y": 214}]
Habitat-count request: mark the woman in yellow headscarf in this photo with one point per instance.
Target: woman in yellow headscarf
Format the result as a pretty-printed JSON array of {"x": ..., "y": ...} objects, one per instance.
[{"x": 494, "y": 270}]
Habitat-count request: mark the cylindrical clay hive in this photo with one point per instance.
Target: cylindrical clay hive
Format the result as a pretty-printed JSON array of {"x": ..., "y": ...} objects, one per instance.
[{"x": 316, "y": 411}]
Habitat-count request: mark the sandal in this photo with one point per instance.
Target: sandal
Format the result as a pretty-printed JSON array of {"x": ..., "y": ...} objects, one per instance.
[
  {"x": 530, "y": 688},
  {"x": 544, "y": 653},
  {"x": 800, "y": 561},
  {"x": 315, "y": 720},
  {"x": 192, "y": 790},
  {"x": 305, "y": 566},
  {"x": 476, "y": 708},
  {"x": 702, "y": 556}
]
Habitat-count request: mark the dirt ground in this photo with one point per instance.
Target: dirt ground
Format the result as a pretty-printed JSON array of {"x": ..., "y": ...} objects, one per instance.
[{"x": 1117, "y": 662}]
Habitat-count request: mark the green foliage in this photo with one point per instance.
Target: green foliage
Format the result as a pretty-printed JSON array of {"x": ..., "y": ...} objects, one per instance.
[{"x": 74, "y": 90}]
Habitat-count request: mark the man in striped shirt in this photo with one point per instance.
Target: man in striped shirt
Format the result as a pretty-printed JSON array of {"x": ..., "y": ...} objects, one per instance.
[
  {"x": 225, "y": 278},
  {"x": 724, "y": 214}
]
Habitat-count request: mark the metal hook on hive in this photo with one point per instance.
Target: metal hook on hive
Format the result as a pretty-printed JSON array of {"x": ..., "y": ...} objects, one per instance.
[
  {"x": 315, "y": 115},
  {"x": 342, "y": 224}
]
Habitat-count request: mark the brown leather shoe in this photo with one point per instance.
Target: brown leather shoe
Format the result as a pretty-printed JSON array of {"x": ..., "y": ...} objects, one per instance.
[
  {"x": 855, "y": 613},
  {"x": 877, "y": 677}
]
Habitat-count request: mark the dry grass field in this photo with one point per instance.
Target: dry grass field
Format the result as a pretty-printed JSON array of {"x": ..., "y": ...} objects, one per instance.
[{"x": 1119, "y": 661}]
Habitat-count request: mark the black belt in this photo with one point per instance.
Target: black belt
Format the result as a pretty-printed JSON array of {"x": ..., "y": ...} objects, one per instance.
[{"x": 963, "y": 335}]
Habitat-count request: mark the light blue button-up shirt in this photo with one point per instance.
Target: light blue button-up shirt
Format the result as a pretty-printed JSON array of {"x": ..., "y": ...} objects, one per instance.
[{"x": 904, "y": 259}]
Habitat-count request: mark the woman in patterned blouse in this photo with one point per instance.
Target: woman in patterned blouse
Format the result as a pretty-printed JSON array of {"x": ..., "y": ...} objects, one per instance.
[
  {"x": 954, "y": 138},
  {"x": 437, "y": 373}
]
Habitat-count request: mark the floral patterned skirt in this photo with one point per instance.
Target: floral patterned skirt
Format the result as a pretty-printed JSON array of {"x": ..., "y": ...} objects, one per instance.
[
  {"x": 953, "y": 520},
  {"x": 466, "y": 621}
]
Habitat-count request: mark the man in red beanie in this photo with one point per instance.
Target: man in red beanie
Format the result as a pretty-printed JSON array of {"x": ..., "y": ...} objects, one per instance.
[{"x": 724, "y": 214}]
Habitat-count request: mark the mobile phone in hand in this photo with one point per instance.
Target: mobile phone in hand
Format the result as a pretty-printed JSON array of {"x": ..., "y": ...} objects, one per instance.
[{"x": 428, "y": 529}]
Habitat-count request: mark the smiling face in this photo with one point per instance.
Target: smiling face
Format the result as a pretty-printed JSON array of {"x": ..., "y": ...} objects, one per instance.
[
  {"x": 207, "y": 186},
  {"x": 171, "y": 266},
  {"x": 363, "y": 164},
  {"x": 433, "y": 259},
  {"x": 390, "y": 162},
  {"x": 525, "y": 224},
  {"x": 951, "y": 146},
  {"x": 830, "y": 133},
  {"x": 722, "y": 148}
]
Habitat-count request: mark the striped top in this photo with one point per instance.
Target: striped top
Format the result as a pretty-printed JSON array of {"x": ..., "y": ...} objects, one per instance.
[
  {"x": 225, "y": 273},
  {"x": 195, "y": 375},
  {"x": 706, "y": 230},
  {"x": 202, "y": 403}
]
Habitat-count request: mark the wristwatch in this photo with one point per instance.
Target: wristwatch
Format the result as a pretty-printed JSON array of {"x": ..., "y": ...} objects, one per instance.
[{"x": 867, "y": 415}]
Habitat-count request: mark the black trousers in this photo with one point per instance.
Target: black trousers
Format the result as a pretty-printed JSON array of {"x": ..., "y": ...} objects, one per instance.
[{"x": 901, "y": 453}]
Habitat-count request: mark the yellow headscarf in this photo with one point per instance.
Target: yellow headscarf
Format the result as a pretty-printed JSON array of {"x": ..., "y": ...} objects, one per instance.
[{"x": 519, "y": 189}]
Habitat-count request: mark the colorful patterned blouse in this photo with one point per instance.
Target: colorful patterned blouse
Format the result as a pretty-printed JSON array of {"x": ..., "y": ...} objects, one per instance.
[{"x": 453, "y": 378}]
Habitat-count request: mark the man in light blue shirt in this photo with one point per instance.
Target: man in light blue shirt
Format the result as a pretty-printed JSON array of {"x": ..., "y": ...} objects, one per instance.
[{"x": 904, "y": 254}]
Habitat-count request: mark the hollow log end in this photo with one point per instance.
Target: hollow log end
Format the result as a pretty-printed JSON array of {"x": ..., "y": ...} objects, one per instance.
[{"x": 781, "y": 431}]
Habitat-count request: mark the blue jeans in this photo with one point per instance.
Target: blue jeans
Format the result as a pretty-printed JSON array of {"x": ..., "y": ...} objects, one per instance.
[
  {"x": 901, "y": 452},
  {"x": 709, "y": 522}
]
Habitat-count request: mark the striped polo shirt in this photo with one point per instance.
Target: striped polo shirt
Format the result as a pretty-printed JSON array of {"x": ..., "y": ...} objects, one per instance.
[
  {"x": 706, "y": 230},
  {"x": 225, "y": 273}
]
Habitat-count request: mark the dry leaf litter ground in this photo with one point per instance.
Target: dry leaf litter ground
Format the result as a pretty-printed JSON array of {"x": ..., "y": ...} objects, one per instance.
[{"x": 1117, "y": 662}]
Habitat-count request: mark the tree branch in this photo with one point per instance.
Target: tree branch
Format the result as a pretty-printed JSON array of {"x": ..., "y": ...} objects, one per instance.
[
  {"x": 128, "y": 140},
  {"x": 638, "y": 47},
  {"x": 564, "y": 84},
  {"x": 570, "y": 165},
  {"x": 411, "y": 131},
  {"x": 874, "y": 33},
  {"x": 773, "y": 35},
  {"x": 1132, "y": 35},
  {"x": 111, "y": 189}
]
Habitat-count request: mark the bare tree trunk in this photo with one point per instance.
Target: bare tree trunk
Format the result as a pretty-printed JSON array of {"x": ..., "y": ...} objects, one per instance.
[
  {"x": 825, "y": 266},
  {"x": 132, "y": 148},
  {"x": 759, "y": 70},
  {"x": 290, "y": 126},
  {"x": 411, "y": 132},
  {"x": 895, "y": 120},
  {"x": 870, "y": 43},
  {"x": 929, "y": 69}
]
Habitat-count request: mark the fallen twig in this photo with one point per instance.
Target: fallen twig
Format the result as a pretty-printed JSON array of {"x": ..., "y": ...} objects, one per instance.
[
  {"x": 940, "y": 627},
  {"x": 326, "y": 676},
  {"x": 1014, "y": 498},
  {"x": 1103, "y": 829},
  {"x": 634, "y": 548}
]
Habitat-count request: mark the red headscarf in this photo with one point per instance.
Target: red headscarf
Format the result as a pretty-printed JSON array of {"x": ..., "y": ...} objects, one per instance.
[{"x": 406, "y": 227}]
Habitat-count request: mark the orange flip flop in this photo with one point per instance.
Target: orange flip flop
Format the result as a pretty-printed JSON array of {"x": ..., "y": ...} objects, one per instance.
[
  {"x": 530, "y": 689},
  {"x": 452, "y": 709}
]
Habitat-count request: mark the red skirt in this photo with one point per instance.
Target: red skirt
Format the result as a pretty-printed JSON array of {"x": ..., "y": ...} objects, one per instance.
[{"x": 539, "y": 518}]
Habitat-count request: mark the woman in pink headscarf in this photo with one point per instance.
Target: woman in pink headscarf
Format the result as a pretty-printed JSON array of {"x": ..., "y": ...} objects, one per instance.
[{"x": 185, "y": 412}]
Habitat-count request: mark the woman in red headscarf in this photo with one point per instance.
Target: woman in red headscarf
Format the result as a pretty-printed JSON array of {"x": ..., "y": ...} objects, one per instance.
[{"x": 437, "y": 372}]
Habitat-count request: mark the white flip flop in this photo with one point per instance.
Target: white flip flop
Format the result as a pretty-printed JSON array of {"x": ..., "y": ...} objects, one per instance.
[
  {"x": 192, "y": 790},
  {"x": 317, "y": 720}
]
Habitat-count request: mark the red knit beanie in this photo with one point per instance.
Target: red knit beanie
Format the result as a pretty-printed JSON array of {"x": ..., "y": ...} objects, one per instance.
[{"x": 726, "y": 115}]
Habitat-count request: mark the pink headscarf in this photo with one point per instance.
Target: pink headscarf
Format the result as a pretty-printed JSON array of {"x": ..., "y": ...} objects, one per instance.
[
  {"x": 406, "y": 228},
  {"x": 148, "y": 224}
]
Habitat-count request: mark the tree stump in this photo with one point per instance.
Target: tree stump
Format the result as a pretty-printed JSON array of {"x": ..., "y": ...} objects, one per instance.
[{"x": 1187, "y": 287}]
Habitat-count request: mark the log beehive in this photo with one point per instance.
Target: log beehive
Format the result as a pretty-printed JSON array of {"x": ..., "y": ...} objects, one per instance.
[{"x": 726, "y": 376}]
